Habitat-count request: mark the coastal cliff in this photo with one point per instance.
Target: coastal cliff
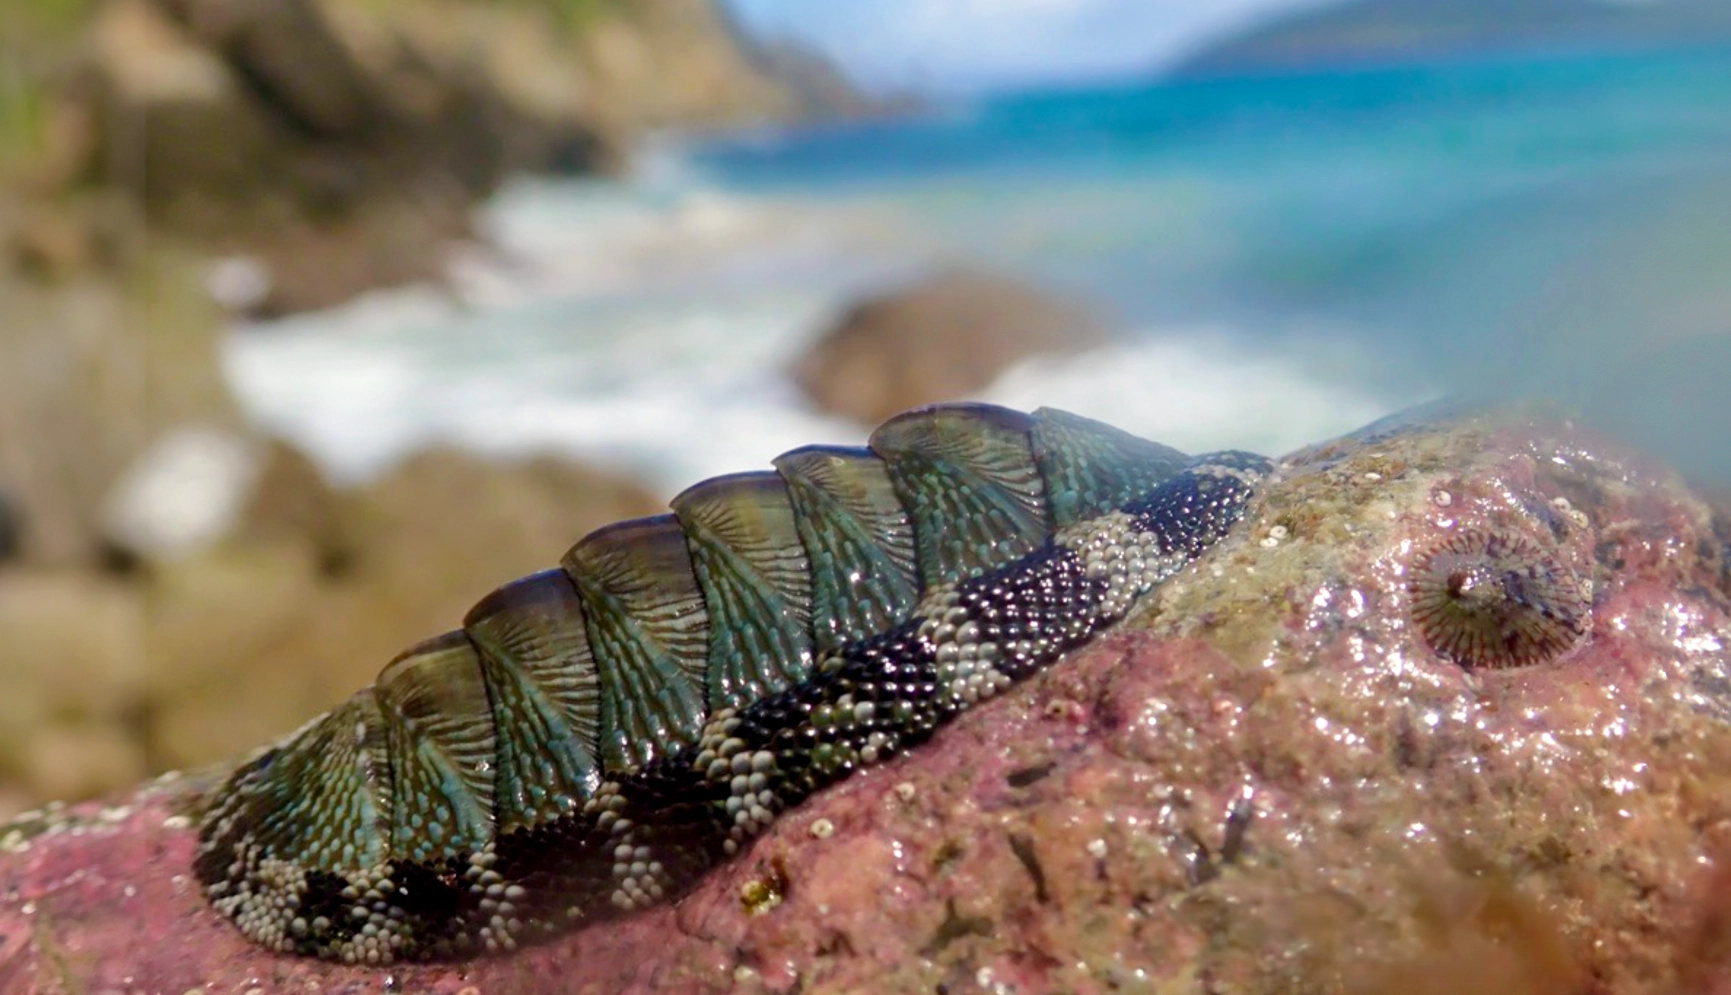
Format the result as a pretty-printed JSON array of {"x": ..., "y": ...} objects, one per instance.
[
  {"x": 1383, "y": 31},
  {"x": 341, "y": 145}
]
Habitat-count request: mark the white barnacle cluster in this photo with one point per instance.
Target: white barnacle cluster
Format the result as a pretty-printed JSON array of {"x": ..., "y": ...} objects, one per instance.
[
  {"x": 966, "y": 662},
  {"x": 1130, "y": 561}
]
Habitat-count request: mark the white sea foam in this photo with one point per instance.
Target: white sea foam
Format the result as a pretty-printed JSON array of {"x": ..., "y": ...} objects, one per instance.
[
  {"x": 677, "y": 394},
  {"x": 1200, "y": 390},
  {"x": 649, "y": 327}
]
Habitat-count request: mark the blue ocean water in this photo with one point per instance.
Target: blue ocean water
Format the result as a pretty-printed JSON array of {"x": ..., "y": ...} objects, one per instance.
[
  {"x": 1360, "y": 194},
  {"x": 1285, "y": 256}
]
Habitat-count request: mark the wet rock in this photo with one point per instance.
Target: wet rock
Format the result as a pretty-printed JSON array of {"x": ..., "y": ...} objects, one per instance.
[
  {"x": 943, "y": 338},
  {"x": 1270, "y": 782}
]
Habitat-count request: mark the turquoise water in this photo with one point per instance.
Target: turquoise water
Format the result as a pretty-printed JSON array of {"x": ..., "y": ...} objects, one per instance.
[
  {"x": 1370, "y": 194},
  {"x": 1283, "y": 254}
]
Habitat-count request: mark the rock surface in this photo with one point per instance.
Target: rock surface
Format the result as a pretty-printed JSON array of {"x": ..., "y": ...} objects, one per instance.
[
  {"x": 1268, "y": 784},
  {"x": 940, "y": 339}
]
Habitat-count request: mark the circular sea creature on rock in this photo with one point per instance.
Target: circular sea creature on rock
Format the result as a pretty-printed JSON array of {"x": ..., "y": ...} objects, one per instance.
[{"x": 1491, "y": 599}]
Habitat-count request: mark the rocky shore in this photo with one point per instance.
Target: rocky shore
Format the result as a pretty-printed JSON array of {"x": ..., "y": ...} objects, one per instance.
[
  {"x": 1269, "y": 782},
  {"x": 343, "y": 146}
]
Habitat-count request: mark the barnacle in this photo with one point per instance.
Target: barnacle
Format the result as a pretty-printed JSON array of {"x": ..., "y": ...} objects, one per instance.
[{"x": 1493, "y": 598}]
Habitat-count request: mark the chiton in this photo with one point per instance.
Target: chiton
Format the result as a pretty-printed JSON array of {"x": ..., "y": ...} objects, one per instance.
[{"x": 596, "y": 736}]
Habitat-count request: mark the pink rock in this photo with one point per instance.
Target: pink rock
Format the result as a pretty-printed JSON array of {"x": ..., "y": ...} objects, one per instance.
[{"x": 1272, "y": 784}]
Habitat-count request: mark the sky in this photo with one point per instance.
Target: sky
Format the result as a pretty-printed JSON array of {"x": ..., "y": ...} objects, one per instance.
[{"x": 973, "y": 45}]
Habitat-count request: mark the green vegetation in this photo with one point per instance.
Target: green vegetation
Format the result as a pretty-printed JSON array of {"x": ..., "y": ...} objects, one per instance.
[
  {"x": 23, "y": 113},
  {"x": 571, "y": 14},
  {"x": 23, "y": 22},
  {"x": 32, "y": 32},
  {"x": 568, "y": 15}
]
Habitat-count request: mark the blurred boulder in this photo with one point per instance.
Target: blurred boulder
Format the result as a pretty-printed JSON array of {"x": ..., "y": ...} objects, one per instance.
[
  {"x": 252, "y": 639},
  {"x": 447, "y": 526},
  {"x": 655, "y": 63},
  {"x": 61, "y": 240},
  {"x": 173, "y": 121},
  {"x": 98, "y": 366},
  {"x": 244, "y": 642},
  {"x": 250, "y": 127},
  {"x": 51, "y": 245},
  {"x": 940, "y": 339},
  {"x": 291, "y": 502},
  {"x": 198, "y": 487},
  {"x": 491, "y": 89},
  {"x": 74, "y": 667},
  {"x": 11, "y": 530},
  {"x": 818, "y": 83},
  {"x": 291, "y": 60},
  {"x": 344, "y": 146},
  {"x": 82, "y": 759}
]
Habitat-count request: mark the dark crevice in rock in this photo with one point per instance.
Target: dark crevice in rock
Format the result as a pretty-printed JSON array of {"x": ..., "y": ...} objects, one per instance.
[
  {"x": 1025, "y": 776},
  {"x": 1023, "y": 847},
  {"x": 955, "y": 926}
]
